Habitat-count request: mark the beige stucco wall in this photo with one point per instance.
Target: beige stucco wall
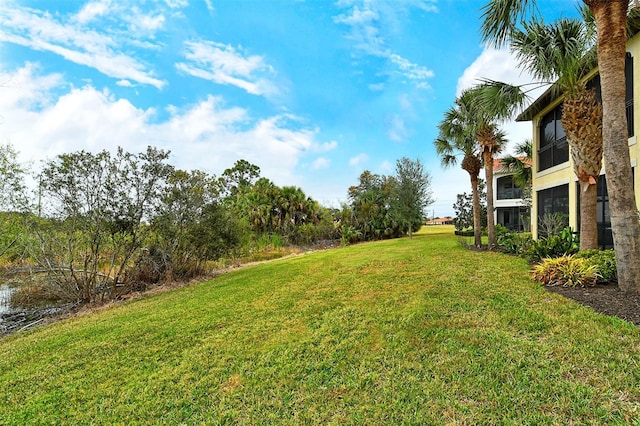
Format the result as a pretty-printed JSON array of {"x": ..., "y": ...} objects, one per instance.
[{"x": 633, "y": 47}]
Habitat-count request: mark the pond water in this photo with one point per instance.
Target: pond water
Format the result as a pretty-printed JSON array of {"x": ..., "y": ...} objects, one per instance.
[{"x": 5, "y": 298}]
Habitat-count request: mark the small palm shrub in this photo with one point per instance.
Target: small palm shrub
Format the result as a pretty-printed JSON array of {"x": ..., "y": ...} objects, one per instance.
[
  {"x": 604, "y": 261},
  {"x": 349, "y": 234},
  {"x": 567, "y": 271}
]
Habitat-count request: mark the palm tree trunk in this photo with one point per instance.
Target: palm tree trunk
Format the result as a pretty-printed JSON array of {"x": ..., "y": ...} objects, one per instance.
[
  {"x": 611, "y": 18},
  {"x": 588, "y": 216},
  {"x": 582, "y": 121},
  {"x": 472, "y": 165},
  {"x": 487, "y": 156},
  {"x": 477, "y": 227}
]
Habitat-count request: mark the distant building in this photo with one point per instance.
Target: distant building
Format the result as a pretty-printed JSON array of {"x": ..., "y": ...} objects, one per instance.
[
  {"x": 439, "y": 221},
  {"x": 510, "y": 208}
]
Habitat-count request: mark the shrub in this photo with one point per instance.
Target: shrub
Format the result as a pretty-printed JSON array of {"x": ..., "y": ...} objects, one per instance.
[
  {"x": 553, "y": 223},
  {"x": 514, "y": 243},
  {"x": 552, "y": 246},
  {"x": 604, "y": 261},
  {"x": 465, "y": 233},
  {"x": 33, "y": 294},
  {"x": 349, "y": 234},
  {"x": 567, "y": 271}
]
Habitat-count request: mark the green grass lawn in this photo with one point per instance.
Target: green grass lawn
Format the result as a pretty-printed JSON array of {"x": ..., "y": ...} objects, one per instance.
[{"x": 418, "y": 331}]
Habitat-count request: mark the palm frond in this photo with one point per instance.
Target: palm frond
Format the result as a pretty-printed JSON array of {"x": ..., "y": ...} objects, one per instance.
[
  {"x": 524, "y": 149},
  {"x": 562, "y": 51},
  {"x": 500, "y": 17},
  {"x": 503, "y": 99}
]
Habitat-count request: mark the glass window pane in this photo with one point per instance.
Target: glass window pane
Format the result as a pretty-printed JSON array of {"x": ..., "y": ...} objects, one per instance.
[{"x": 547, "y": 130}]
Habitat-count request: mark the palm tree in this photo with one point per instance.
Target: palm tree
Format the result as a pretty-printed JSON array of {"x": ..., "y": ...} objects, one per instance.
[
  {"x": 564, "y": 51},
  {"x": 520, "y": 164},
  {"x": 457, "y": 137},
  {"x": 491, "y": 140},
  {"x": 500, "y": 17}
]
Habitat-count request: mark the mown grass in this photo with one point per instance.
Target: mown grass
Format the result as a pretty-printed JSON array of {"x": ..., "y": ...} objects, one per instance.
[{"x": 417, "y": 331}]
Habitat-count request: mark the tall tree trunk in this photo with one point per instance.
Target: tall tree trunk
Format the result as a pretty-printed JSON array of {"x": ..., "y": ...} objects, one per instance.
[
  {"x": 477, "y": 226},
  {"x": 582, "y": 121},
  {"x": 611, "y": 19},
  {"x": 588, "y": 216},
  {"x": 487, "y": 156}
]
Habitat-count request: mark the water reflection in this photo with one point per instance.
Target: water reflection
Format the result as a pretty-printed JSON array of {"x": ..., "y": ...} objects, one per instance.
[{"x": 5, "y": 298}]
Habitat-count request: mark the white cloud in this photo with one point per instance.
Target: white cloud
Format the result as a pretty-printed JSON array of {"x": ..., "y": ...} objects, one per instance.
[
  {"x": 320, "y": 163},
  {"x": 92, "y": 10},
  {"x": 495, "y": 64},
  {"x": 396, "y": 130},
  {"x": 24, "y": 91},
  {"x": 501, "y": 65},
  {"x": 207, "y": 135},
  {"x": 416, "y": 73},
  {"x": 367, "y": 20},
  {"x": 147, "y": 22},
  {"x": 75, "y": 43},
  {"x": 124, "y": 83},
  {"x": 358, "y": 160},
  {"x": 223, "y": 64},
  {"x": 325, "y": 147},
  {"x": 178, "y": 4},
  {"x": 363, "y": 20}
]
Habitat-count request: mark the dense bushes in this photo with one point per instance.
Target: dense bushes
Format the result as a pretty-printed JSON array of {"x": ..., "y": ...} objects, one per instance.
[
  {"x": 586, "y": 268},
  {"x": 382, "y": 207},
  {"x": 557, "y": 259},
  {"x": 522, "y": 244},
  {"x": 513, "y": 243},
  {"x": 107, "y": 223},
  {"x": 604, "y": 261},
  {"x": 552, "y": 246}
]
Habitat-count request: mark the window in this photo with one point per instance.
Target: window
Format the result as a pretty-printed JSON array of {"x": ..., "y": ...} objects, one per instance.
[
  {"x": 554, "y": 148},
  {"x": 514, "y": 218},
  {"x": 552, "y": 200},
  {"x": 594, "y": 83},
  {"x": 628, "y": 73},
  {"x": 605, "y": 235},
  {"x": 507, "y": 190}
]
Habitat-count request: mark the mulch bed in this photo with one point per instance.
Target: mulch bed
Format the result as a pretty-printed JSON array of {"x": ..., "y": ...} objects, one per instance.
[{"x": 606, "y": 299}]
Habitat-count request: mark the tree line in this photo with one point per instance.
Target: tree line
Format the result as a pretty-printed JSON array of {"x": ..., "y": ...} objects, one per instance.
[{"x": 102, "y": 224}]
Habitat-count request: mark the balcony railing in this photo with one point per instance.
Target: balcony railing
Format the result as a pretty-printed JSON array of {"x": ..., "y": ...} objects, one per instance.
[
  {"x": 509, "y": 193},
  {"x": 553, "y": 154}
]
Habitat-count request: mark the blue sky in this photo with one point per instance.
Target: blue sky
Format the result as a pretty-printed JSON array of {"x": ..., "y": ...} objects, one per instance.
[{"x": 313, "y": 92}]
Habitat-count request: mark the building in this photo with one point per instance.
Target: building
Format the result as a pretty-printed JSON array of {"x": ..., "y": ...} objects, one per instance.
[
  {"x": 447, "y": 220},
  {"x": 510, "y": 208},
  {"x": 554, "y": 185}
]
